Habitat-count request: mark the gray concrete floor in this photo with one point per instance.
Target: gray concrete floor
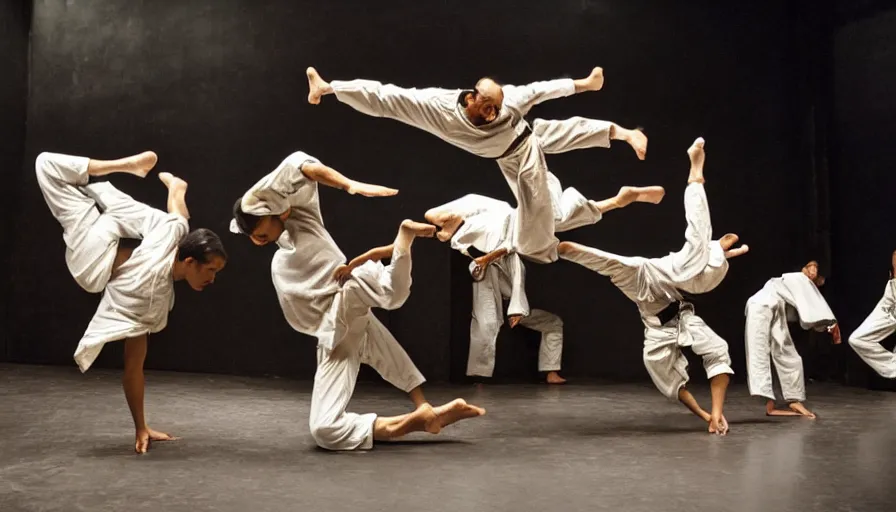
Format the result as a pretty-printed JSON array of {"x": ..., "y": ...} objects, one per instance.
[{"x": 66, "y": 440}]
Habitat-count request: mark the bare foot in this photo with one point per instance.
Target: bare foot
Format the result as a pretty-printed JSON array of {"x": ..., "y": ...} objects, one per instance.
[
  {"x": 555, "y": 378},
  {"x": 173, "y": 183},
  {"x": 317, "y": 87},
  {"x": 514, "y": 320},
  {"x": 418, "y": 229},
  {"x": 628, "y": 195},
  {"x": 450, "y": 225},
  {"x": 596, "y": 79},
  {"x": 141, "y": 164},
  {"x": 698, "y": 156},
  {"x": 457, "y": 410},
  {"x": 638, "y": 141},
  {"x": 801, "y": 409},
  {"x": 483, "y": 262},
  {"x": 425, "y": 418},
  {"x": 770, "y": 410}
]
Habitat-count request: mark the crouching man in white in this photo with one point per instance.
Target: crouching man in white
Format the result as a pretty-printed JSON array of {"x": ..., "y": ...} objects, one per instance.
[
  {"x": 791, "y": 297},
  {"x": 879, "y": 325},
  {"x": 137, "y": 281},
  {"x": 660, "y": 287},
  {"x": 323, "y": 297}
]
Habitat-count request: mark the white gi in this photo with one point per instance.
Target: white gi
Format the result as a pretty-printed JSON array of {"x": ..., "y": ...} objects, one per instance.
[
  {"x": 137, "y": 299},
  {"x": 441, "y": 113},
  {"x": 656, "y": 283},
  {"x": 880, "y": 324},
  {"x": 487, "y": 225},
  {"x": 791, "y": 297},
  {"x": 313, "y": 303}
]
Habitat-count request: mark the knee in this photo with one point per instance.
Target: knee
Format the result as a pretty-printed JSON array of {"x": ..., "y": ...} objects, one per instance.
[{"x": 325, "y": 433}]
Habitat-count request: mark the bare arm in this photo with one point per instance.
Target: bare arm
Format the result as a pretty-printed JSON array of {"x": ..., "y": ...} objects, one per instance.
[
  {"x": 134, "y": 384},
  {"x": 330, "y": 177}
]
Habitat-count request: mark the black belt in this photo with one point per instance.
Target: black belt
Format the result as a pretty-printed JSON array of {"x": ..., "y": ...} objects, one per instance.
[
  {"x": 517, "y": 141},
  {"x": 672, "y": 310}
]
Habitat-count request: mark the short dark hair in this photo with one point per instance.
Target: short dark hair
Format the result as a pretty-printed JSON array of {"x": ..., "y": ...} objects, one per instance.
[
  {"x": 201, "y": 244},
  {"x": 246, "y": 222}
]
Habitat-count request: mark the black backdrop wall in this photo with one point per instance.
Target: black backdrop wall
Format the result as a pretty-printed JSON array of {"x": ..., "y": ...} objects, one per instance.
[
  {"x": 864, "y": 159},
  {"x": 14, "y": 21},
  {"x": 218, "y": 90}
]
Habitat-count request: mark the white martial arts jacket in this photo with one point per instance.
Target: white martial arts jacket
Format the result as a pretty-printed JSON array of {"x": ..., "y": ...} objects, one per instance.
[
  {"x": 442, "y": 113},
  {"x": 137, "y": 299},
  {"x": 302, "y": 269},
  {"x": 799, "y": 296}
]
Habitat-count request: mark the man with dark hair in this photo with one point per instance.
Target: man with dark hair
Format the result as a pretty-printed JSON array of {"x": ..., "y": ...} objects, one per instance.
[
  {"x": 879, "y": 325},
  {"x": 662, "y": 289},
  {"x": 489, "y": 121},
  {"x": 137, "y": 283},
  {"x": 793, "y": 296},
  {"x": 324, "y": 297}
]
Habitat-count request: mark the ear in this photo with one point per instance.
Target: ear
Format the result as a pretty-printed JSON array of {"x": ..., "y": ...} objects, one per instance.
[
  {"x": 283, "y": 216},
  {"x": 189, "y": 260}
]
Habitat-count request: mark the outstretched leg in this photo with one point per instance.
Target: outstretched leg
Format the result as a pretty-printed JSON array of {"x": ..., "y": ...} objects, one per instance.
[
  {"x": 317, "y": 86},
  {"x": 63, "y": 179},
  {"x": 583, "y": 133}
]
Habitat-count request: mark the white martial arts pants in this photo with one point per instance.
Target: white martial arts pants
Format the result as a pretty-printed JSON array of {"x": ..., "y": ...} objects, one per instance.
[
  {"x": 572, "y": 209},
  {"x": 91, "y": 236},
  {"x": 879, "y": 325},
  {"x": 488, "y": 316},
  {"x": 361, "y": 338},
  {"x": 644, "y": 282},
  {"x": 768, "y": 341}
]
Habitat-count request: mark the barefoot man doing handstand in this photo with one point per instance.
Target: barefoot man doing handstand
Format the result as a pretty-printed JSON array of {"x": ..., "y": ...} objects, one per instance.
[
  {"x": 323, "y": 297},
  {"x": 137, "y": 283}
]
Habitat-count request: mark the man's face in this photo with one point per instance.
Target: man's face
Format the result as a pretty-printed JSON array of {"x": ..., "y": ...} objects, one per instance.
[
  {"x": 267, "y": 230},
  {"x": 485, "y": 103},
  {"x": 811, "y": 271},
  {"x": 199, "y": 275}
]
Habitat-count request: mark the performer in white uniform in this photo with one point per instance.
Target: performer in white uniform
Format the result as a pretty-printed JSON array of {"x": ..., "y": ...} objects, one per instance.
[
  {"x": 879, "y": 325},
  {"x": 573, "y": 209},
  {"x": 137, "y": 283},
  {"x": 661, "y": 287},
  {"x": 487, "y": 121},
  {"x": 792, "y": 297},
  {"x": 323, "y": 297},
  {"x": 486, "y": 225}
]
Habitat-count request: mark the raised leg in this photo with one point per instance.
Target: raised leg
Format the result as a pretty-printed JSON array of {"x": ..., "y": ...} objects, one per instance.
[
  {"x": 623, "y": 271},
  {"x": 582, "y": 133},
  {"x": 317, "y": 86},
  {"x": 177, "y": 191}
]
